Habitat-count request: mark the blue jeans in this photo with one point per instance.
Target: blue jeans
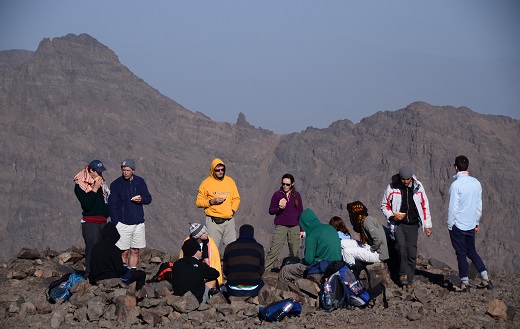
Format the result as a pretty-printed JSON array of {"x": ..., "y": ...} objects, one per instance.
[{"x": 464, "y": 244}]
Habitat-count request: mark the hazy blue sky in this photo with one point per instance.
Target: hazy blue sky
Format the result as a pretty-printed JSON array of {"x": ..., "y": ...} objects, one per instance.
[{"x": 288, "y": 65}]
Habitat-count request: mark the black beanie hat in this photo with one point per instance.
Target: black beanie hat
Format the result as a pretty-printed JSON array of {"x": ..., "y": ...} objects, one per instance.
[
  {"x": 190, "y": 247},
  {"x": 247, "y": 229}
]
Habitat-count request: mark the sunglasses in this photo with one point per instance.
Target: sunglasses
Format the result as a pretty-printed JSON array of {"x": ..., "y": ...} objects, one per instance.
[
  {"x": 219, "y": 170},
  {"x": 285, "y": 184}
]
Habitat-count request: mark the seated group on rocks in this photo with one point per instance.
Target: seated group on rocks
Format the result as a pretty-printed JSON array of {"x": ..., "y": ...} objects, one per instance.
[{"x": 198, "y": 269}]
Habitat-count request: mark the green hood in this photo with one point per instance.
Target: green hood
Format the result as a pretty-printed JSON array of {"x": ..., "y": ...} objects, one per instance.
[{"x": 308, "y": 220}]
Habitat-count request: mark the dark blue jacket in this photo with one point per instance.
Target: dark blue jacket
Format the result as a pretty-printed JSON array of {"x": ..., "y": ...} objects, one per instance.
[{"x": 121, "y": 208}]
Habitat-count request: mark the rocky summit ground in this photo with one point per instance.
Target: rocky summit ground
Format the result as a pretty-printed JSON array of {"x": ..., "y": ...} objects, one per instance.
[{"x": 431, "y": 303}]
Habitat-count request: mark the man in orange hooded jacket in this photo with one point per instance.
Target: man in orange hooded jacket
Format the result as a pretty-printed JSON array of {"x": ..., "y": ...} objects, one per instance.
[{"x": 218, "y": 195}]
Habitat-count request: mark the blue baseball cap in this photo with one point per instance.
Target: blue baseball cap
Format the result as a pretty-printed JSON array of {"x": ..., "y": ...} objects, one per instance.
[{"x": 97, "y": 166}]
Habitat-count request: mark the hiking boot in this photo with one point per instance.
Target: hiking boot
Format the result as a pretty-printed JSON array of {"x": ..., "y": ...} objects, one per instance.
[
  {"x": 213, "y": 291},
  {"x": 485, "y": 284},
  {"x": 463, "y": 287},
  {"x": 403, "y": 280}
]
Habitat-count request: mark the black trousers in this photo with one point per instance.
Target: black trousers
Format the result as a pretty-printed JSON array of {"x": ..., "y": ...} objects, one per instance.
[
  {"x": 91, "y": 234},
  {"x": 406, "y": 245}
]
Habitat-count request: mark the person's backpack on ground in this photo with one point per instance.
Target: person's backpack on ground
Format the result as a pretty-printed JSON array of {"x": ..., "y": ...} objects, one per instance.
[
  {"x": 342, "y": 289},
  {"x": 164, "y": 273},
  {"x": 60, "y": 289},
  {"x": 278, "y": 310}
]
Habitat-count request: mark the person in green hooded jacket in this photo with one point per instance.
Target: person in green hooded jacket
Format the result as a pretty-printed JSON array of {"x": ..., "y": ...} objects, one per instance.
[{"x": 321, "y": 240}]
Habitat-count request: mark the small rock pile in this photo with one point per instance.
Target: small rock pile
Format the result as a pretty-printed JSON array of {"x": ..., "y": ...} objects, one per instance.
[{"x": 431, "y": 303}]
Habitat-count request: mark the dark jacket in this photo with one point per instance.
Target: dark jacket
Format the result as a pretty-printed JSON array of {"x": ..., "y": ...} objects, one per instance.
[
  {"x": 106, "y": 261},
  {"x": 121, "y": 208},
  {"x": 92, "y": 203},
  {"x": 243, "y": 262},
  {"x": 190, "y": 274}
]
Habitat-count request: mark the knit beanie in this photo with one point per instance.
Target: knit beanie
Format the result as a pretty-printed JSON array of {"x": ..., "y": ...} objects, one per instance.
[
  {"x": 197, "y": 230},
  {"x": 128, "y": 162},
  {"x": 190, "y": 247},
  {"x": 405, "y": 172}
]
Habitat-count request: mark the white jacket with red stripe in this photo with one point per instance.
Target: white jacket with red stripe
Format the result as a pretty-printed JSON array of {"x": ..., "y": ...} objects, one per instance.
[{"x": 392, "y": 203}]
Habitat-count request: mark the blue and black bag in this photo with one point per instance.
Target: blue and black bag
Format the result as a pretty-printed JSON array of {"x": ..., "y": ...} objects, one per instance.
[
  {"x": 60, "y": 289},
  {"x": 341, "y": 288},
  {"x": 278, "y": 310}
]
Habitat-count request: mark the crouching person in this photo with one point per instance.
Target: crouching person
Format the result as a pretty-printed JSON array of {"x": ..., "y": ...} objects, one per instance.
[
  {"x": 106, "y": 261},
  {"x": 243, "y": 264},
  {"x": 190, "y": 273}
]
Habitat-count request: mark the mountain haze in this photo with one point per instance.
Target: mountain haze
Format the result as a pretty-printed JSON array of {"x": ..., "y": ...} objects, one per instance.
[{"x": 72, "y": 101}]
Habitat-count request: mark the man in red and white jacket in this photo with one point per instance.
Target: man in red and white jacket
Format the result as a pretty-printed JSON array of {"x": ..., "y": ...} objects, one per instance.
[{"x": 406, "y": 207}]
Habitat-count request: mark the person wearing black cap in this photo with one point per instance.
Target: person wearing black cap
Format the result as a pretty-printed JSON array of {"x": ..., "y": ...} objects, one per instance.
[
  {"x": 243, "y": 264},
  {"x": 406, "y": 207},
  {"x": 128, "y": 195},
  {"x": 190, "y": 273},
  {"x": 92, "y": 192}
]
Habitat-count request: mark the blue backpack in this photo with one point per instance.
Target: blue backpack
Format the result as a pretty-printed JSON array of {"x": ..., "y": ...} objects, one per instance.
[
  {"x": 342, "y": 289},
  {"x": 278, "y": 310},
  {"x": 60, "y": 289}
]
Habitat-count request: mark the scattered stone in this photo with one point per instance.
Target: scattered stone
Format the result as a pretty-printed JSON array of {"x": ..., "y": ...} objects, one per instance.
[
  {"x": 69, "y": 257},
  {"x": 26, "y": 253},
  {"x": 497, "y": 309},
  {"x": 112, "y": 304}
]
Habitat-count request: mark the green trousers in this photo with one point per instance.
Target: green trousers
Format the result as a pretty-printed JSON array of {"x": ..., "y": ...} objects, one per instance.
[{"x": 292, "y": 233}]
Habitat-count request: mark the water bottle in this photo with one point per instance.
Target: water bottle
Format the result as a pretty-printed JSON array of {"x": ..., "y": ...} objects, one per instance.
[
  {"x": 355, "y": 287},
  {"x": 327, "y": 300},
  {"x": 278, "y": 316}
]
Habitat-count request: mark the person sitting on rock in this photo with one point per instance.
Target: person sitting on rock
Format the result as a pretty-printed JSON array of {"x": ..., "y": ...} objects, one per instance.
[
  {"x": 243, "y": 264},
  {"x": 372, "y": 247},
  {"x": 190, "y": 273},
  {"x": 210, "y": 253},
  {"x": 321, "y": 240},
  {"x": 106, "y": 261},
  {"x": 321, "y": 243}
]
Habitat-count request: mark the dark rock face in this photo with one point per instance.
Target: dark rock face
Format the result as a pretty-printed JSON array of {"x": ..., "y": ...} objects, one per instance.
[{"x": 72, "y": 101}]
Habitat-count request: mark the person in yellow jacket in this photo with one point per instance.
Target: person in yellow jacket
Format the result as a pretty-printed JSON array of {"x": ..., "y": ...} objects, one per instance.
[
  {"x": 210, "y": 254},
  {"x": 218, "y": 195}
]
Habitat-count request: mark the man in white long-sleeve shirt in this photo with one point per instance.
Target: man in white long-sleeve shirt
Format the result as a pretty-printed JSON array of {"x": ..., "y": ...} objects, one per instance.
[{"x": 464, "y": 214}]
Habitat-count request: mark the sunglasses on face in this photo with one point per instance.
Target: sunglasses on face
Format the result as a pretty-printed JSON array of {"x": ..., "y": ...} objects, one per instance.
[
  {"x": 285, "y": 184},
  {"x": 219, "y": 170}
]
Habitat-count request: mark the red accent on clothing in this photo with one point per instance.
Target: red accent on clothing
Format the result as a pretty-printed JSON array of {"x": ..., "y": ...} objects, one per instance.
[{"x": 95, "y": 219}]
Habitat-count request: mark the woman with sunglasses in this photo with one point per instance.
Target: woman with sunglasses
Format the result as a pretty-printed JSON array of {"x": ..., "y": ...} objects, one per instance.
[{"x": 286, "y": 205}]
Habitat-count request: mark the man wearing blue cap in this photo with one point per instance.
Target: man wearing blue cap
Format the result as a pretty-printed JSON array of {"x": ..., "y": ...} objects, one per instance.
[{"x": 92, "y": 192}]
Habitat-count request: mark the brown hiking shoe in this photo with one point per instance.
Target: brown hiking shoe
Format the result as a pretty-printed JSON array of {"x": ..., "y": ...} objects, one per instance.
[
  {"x": 463, "y": 287},
  {"x": 403, "y": 280},
  {"x": 485, "y": 284}
]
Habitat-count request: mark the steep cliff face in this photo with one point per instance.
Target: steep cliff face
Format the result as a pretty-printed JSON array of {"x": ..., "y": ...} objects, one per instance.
[{"x": 73, "y": 101}]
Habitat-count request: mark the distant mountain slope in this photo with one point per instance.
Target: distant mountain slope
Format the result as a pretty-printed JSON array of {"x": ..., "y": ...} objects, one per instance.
[{"x": 73, "y": 101}]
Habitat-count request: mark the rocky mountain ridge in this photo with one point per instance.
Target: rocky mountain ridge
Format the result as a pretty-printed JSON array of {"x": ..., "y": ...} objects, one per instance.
[{"x": 72, "y": 101}]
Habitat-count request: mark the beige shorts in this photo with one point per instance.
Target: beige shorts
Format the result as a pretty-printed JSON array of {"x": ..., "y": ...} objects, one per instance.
[{"x": 132, "y": 236}]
